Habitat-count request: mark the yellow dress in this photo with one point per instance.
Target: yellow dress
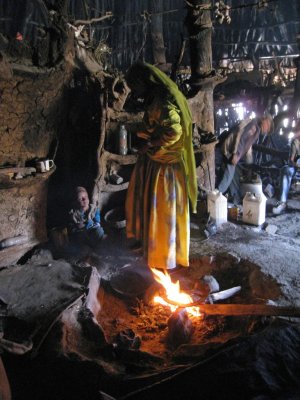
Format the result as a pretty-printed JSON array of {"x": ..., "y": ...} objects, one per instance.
[{"x": 157, "y": 204}]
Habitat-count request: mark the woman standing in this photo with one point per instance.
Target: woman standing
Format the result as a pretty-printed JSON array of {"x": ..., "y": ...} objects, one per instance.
[{"x": 164, "y": 177}]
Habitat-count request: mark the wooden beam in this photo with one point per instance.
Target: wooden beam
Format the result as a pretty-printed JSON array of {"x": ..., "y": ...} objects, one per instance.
[
  {"x": 157, "y": 35},
  {"x": 296, "y": 97},
  {"x": 177, "y": 62},
  {"x": 199, "y": 25},
  {"x": 93, "y": 20},
  {"x": 257, "y": 42},
  {"x": 249, "y": 309},
  {"x": 274, "y": 152}
]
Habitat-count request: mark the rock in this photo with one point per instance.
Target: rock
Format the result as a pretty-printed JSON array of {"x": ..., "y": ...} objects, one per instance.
[
  {"x": 207, "y": 284},
  {"x": 271, "y": 229},
  {"x": 127, "y": 339}
]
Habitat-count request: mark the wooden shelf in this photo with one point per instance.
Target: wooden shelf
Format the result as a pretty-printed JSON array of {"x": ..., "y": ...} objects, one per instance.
[
  {"x": 8, "y": 183},
  {"x": 125, "y": 116},
  {"x": 124, "y": 160},
  {"x": 109, "y": 187}
]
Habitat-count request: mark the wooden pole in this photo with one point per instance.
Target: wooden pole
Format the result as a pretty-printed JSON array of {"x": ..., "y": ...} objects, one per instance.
[
  {"x": 296, "y": 98},
  {"x": 199, "y": 26},
  {"x": 249, "y": 309},
  {"x": 158, "y": 46}
]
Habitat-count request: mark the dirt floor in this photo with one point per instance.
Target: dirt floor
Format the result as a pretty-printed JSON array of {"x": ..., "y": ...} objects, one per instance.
[
  {"x": 273, "y": 247},
  {"x": 125, "y": 307},
  {"x": 264, "y": 261}
]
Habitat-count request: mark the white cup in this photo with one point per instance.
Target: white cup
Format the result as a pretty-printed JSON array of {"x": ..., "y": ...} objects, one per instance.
[
  {"x": 44, "y": 165},
  {"x": 48, "y": 164}
]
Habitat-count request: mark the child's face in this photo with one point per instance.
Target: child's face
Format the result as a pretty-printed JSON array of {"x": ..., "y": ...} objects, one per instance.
[{"x": 83, "y": 200}]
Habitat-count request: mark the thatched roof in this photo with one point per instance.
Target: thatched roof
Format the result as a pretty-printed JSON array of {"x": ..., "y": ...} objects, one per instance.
[{"x": 254, "y": 31}]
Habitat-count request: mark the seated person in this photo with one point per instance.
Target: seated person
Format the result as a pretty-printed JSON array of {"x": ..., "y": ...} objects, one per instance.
[
  {"x": 84, "y": 226},
  {"x": 235, "y": 145},
  {"x": 288, "y": 171}
]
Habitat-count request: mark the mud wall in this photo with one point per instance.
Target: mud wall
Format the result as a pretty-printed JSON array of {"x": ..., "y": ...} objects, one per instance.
[
  {"x": 23, "y": 218},
  {"x": 32, "y": 112}
]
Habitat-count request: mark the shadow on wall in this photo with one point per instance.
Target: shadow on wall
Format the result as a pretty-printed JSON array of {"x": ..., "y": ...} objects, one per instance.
[{"x": 76, "y": 157}]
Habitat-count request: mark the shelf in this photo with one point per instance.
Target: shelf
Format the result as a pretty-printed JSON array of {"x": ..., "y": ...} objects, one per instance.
[
  {"x": 109, "y": 187},
  {"x": 124, "y": 160},
  {"x": 9, "y": 183},
  {"x": 128, "y": 117}
]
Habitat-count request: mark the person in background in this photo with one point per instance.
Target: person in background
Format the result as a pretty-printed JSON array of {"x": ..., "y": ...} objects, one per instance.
[
  {"x": 164, "y": 178},
  {"x": 84, "y": 220},
  {"x": 234, "y": 147},
  {"x": 288, "y": 171}
]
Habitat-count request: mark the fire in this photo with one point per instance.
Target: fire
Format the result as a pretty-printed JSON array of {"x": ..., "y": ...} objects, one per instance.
[{"x": 173, "y": 293}]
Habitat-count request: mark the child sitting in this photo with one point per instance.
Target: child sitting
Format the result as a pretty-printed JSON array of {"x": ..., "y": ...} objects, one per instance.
[{"x": 84, "y": 226}]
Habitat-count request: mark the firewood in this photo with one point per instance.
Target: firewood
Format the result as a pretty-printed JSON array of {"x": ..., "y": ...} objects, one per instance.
[
  {"x": 180, "y": 328},
  {"x": 249, "y": 309}
]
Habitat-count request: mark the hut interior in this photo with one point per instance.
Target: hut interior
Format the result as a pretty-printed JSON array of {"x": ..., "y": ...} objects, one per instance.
[{"x": 95, "y": 322}]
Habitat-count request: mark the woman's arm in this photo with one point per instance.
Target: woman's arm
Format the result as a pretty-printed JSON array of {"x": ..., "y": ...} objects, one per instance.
[{"x": 164, "y": 119}]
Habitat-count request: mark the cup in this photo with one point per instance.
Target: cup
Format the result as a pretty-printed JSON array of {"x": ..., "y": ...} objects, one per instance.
[
  {"x": 44, "y": 165},
  {"x": 48, "y": 164},
  {"x": 115, "y": 179},
  {"x": 233, "y": 213}
]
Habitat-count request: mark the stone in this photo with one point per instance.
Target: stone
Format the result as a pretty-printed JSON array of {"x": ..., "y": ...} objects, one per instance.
[{"x": 271, "y": 229}]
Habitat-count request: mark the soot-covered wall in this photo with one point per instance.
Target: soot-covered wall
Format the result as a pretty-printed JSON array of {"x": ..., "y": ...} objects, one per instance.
[{"x": 32, "y": 113}]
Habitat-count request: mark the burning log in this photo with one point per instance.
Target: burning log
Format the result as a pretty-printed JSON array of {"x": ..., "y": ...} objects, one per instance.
[
  {"x": 180, "y": 328},
  {"x": 174, "y": 298},
  {"x": 177, "y": 300},
  {"x": 205, "y": 291}
]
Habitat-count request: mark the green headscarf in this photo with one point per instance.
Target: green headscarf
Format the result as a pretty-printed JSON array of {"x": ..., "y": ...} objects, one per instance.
[{"x": 149, "y": 75}]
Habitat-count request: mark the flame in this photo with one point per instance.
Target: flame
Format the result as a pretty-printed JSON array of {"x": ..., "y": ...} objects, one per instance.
[{"x": 173, "y": 293}]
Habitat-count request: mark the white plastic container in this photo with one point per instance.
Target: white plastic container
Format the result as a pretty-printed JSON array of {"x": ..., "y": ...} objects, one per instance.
[
  {"x": 254, "y": 208},
  {"x": 217, "y": 207}
]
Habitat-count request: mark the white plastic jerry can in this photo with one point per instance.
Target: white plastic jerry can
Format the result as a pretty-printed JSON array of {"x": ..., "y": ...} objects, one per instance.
[
  {"x": 217, "y": 207},
  {"x": 254, "y": 208}
]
